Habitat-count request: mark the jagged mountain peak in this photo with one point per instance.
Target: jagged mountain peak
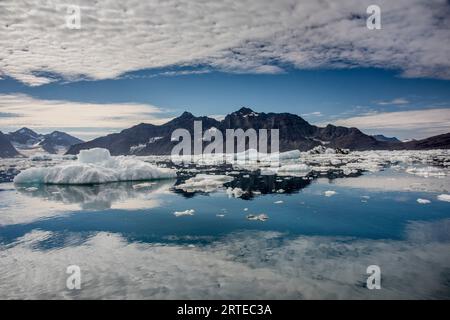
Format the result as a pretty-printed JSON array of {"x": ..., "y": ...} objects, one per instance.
[
  {"x": 26, "y": 131},
  {"x": 244, "y": 110},
  {"x": 186, "y": 114}
]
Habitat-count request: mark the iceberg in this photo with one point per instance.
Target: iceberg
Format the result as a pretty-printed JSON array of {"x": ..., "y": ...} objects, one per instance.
[
  {"x": 95, "y": 166},
  {"x": 444, "y": 197},
  {"x": 235, "y": 192},
  {"x": 204, "y": 183},
  {"x": 423, "y": 201},
  {"x": 329, "y": 193},
  {"x": 189, "y": 212}
]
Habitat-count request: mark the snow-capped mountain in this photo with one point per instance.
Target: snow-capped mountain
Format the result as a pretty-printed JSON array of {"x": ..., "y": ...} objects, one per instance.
[
  {"x": 24, "y": 137},
  {"x": 294, "y": 133},
  {"x": 29, "y": 142}
]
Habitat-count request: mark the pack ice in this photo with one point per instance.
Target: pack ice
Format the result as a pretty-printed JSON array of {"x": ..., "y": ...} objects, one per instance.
[{"x": 95, "y": 166}]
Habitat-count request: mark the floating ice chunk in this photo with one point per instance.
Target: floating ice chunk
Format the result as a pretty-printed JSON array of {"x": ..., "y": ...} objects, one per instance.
[
  {"x": 268, "y": 171},
  {"x": 260, "y": 217},
  {"x": 245, "y": 209},
  {"x": 278, "y": 202},
  {"x": 293, "y": 154},
  {"x": 444, "y": 197},
  {"x": 301, "y": 167},
  {"x": 220, "y": 215},
  {"x": 204, "y": 183},
  {"x": 329, "y": 193},
  {"x": 426, "y": 172},
  {"x": 236, "y": 192},
  {"x": 31, "y": 189},
  {"x": 189, "y": 212},
  {"x": 325, "y": 150},
  {"x": 423, "y": 201},
  {"x": 95, "y": 166},
  {"x": 41, "y": 157}
]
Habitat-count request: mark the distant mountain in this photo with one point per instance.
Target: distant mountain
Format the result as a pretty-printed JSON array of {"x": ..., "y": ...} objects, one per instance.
[
  {"x": 146, "y": 139},
  {"x": 24, "y": 137},
  {"x": 380, "y": 137},
  {"x": 56, "y": 142},
  {"x": 6, "y": 148},
  {"x": 294, "y": 133},
  {"x": 441, "y": 141}
]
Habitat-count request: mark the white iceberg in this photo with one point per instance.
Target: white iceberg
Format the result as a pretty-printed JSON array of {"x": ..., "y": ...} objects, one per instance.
[
  {"x": 95, "y": 166},
  {"x": 189, "y": 212},
  {"x": 444, "y": 197},
  {"x": 261, "y": 217},
  {"x": 329, "y": 193},
  {"x": 426, "y": 172},
  {"x": 236, "y": 192},
  {"x": 204, "y": 183},
  {"x": 423, "y": 201}
]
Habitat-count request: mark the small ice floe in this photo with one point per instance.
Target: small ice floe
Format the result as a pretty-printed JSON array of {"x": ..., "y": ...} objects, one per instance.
[
  {"x": 278, "y": 202},
  {"x": 189, "y": 212},
  {"x": 220, "y": 215},
  {"x": 95, "y": 166},
  {"x": 236, "y": 192},
  {"x": 31, "y": 189},
  {"x": 444, "y": 197},
  {"x": 423, "y": 201},
  {"x": 280, "y": 191},
  {"x": 259, "y": 217},
  {"x": 204, "y": 183},
  {"x": 299, "y": 169},
  {"x": 143, "y": 185},
  {"x": 268, "y": 171},
  {"x": 41, "y": 157},
  {"x": 245, "y": 209},
  {"x": 426, "y": 172},
  {"x": 329, "y": 193}
]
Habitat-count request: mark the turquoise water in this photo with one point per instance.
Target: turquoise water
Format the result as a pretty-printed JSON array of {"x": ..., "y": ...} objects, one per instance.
[{"x": 129, "y": 243}]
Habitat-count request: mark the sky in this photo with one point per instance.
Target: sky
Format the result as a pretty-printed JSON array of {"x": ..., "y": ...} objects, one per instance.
[{"x": 148, "y": 61}]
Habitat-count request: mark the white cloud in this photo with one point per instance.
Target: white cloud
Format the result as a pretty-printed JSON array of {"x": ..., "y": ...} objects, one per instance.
[
  {"x": 403, "y": 124},
  {"x": 76, "y": 117},
  {"x": 314, "y": 114},
  {"x": 397, "y": 101},
  {"x": 240, "y": 36}
]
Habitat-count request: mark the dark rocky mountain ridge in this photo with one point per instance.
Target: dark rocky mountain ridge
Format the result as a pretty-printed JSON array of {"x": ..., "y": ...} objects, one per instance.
[
  {"x": 294, "y": 133},
  {"x": 7, "y": 150},
  {"x": 26, "y": 138}
]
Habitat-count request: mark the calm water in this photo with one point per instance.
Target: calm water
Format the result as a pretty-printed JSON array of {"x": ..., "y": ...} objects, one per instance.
[{"x": 129, "y": 243}]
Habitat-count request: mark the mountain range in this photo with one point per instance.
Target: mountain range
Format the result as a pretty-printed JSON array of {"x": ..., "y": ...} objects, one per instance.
[
  {"x": 294, "y": 133},
  {"x": 26, "y": 141}
]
